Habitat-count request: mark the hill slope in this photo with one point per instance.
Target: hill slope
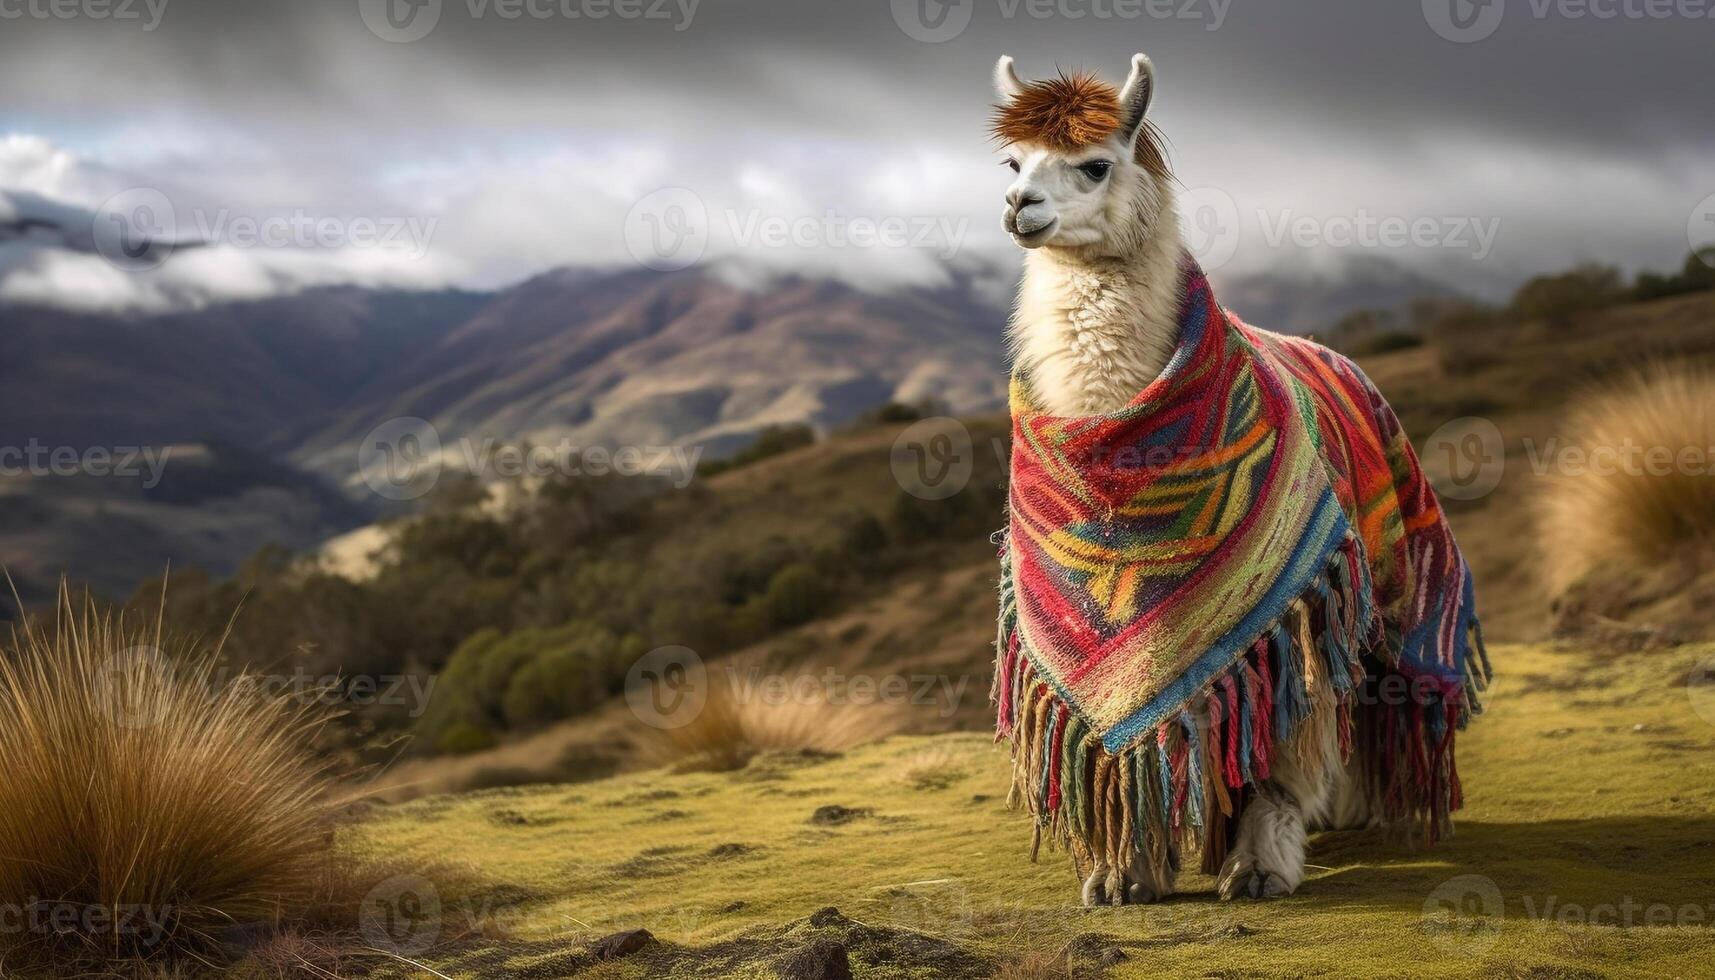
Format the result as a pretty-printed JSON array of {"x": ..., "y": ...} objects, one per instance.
[{"x": 929, "y": 871}]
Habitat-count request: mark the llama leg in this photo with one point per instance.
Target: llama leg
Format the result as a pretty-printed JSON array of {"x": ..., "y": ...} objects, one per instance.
[
  {"x": 1267, "y": 860},
  {"x": 1103, "y": 887},
  {"x": 1147, "y": 882},
  {"x": 1140, "y": 884},
  {"x": 1348, "y": 804}
]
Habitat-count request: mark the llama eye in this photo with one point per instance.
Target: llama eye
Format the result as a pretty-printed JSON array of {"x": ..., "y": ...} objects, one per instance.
[
  {"x": 1096, "y": 169},
  {"x": 1011, "y": 163}
]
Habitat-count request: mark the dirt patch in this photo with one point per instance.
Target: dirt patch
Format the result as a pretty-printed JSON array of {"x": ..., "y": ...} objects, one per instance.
[{"x": 834, "y": 815}]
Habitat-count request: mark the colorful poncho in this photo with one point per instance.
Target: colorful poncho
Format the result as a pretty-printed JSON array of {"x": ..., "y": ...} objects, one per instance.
[{"x": 1251, "y": 534}]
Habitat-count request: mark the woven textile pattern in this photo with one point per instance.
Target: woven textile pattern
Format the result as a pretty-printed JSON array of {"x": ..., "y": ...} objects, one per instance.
[{"x": 1253, "y": 524}]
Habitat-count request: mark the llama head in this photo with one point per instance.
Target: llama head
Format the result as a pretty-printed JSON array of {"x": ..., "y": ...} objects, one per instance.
[{"x": 1091, "y": 173}]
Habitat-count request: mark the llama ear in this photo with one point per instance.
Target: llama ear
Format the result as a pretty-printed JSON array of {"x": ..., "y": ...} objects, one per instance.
[
  {"x": 1006, "y": 78},
  {"x": 1135, "y": 95}
]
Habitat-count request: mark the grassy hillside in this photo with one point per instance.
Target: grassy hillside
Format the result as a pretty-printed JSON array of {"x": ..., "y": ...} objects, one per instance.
[
  {"x": 928, "y": 869},
  {"x": 933, "y": 608}
]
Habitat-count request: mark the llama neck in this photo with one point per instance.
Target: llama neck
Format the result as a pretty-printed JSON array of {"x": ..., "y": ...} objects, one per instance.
[{"x": 1093, "y": 331}]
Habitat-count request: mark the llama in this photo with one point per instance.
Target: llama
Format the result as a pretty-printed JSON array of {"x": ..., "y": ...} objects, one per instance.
[{"x": 1101, "y": 311}]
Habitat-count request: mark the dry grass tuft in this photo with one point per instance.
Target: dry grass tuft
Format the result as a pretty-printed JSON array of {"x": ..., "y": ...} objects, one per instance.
[
  {"x": 1645, "y": 493},
  {"x": 932, "y": 769},
  {"x": 1036, "y": 966},
  {"x": 147, "y": 809},
  {"x": 739, "y": 722}
]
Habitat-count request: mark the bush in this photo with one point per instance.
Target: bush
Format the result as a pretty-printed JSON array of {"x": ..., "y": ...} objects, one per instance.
[
  {"x": 135, "y": 778},
  {"x": 796, "y": 594},
  {"x": 524, "y": 679},
  {"x": 1645, "y": 496},
  {"x": 461, "y": 737},
  {"x": 770, "y": 441},
  {"x": 1556, "y": 298},
  {"x": 1696, "y": 275},
  {"x": 1463, "y": 335}
]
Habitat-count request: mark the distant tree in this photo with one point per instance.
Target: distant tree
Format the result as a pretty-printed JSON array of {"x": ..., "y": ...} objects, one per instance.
[
  {"x": 770, "y": 441},
  {"x": 1365, "y": 332},
  {"x": 1556, "y": 298},
  {"x": 1696, "y": 275}
]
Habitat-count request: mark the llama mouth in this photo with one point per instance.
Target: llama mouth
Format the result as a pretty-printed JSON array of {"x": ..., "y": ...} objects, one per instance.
[{"x": 1030, "y": 239}]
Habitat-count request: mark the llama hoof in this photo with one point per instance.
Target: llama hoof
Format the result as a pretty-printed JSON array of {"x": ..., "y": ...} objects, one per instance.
[
  {"x": 1095, "y": 891},
  {"x": 1241, "y": 880},
  {"x": 1140, "y": 894},
  {"x": 1105, "y": 887}
]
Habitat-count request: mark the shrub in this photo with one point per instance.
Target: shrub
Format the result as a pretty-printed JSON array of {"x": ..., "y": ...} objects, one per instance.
[
  {"x": 1644, "y": 494},
  {"x": 770, "y": 441},
  {"x": 461, "y": 737},
  {"x": 1463, "y": 335},
  {"x": 1557, "y": 297},
  {"x": 740, "y": 720},
  {"x": 135, "y": 780},
  {"x": 524, "y": 679},
  {"x": 1696, "y": 275},
  {"x": 796, "y": 594}
]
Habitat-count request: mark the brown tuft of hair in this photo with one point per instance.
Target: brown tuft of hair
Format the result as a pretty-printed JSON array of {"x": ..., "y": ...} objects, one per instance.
[{"x": 1067, "y": 112}]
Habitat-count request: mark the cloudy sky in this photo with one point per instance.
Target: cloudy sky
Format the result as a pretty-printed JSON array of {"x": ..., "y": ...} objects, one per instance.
[{"x": 420, "y": 142}]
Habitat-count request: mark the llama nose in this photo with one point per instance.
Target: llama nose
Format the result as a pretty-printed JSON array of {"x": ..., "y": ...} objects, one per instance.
[{"x": 1020, "y": 198}]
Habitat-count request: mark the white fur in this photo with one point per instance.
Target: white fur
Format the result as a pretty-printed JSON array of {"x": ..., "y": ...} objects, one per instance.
[
  {"x": 1095, "y": 323},
  {"x": 1096, "y": 315}
]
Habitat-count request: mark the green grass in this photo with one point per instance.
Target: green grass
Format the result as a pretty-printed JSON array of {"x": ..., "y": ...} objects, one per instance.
[{"x": 1590, "y": 784}]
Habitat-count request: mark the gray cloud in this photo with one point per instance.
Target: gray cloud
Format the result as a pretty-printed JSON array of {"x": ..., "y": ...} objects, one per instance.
[{"x": 531, "y": 138}]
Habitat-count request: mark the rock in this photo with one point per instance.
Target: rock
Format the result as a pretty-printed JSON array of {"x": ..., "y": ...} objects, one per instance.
[
  {"x": 621, "y": 944},
  {"x": 823, "y": 959},
  {"x": 833, "y": 814},
  {"x": 721, "y": 852},
  {"x": 828, "y": 916}
]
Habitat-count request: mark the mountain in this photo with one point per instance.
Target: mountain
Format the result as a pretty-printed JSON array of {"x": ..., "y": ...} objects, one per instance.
[
  {"x": 280, "y": 392},
  {"x": 276, "y": 394},
  {"x": 687, "y": 358},
  {"x": 1309, "y": 298}
]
